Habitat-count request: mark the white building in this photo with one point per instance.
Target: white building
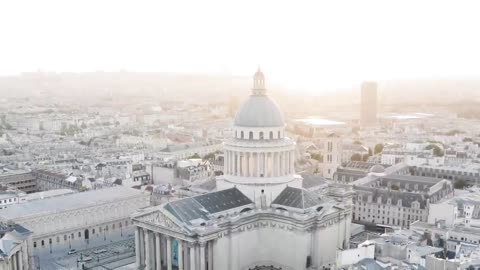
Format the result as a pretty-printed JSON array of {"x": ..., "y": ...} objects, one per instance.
[
  {"x": 396, "y": 200},
  {"x": 10, "y": 197},
  {"x": 78, "y": 220},
  {"x": 14, "y": 250},
  {"x": 260, "y": 217}
]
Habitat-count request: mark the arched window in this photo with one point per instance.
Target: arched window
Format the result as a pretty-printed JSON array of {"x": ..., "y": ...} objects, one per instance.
[
  {"x": 250, "y": 135},
  {"x": 271, "y": 135},
  {"x": 241, "y": 135},
  {"x": 278, "y": 135},
  {"x": 261, "y": 135}
]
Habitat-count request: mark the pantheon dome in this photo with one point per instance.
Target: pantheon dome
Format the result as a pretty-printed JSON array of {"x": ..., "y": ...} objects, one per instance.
[{"x": 259, "y": 110}]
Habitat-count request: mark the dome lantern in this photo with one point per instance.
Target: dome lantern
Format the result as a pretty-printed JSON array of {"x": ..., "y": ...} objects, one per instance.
[{"x": 259, "y": 83}]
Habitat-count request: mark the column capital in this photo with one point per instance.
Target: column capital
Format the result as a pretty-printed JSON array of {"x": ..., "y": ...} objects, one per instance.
[{"x": 202, "y": 244}]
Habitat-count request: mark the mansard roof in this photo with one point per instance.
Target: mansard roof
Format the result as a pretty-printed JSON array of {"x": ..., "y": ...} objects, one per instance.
[
  {"x": 297, "y": 198},
  {"x": 200, "y": 207}
]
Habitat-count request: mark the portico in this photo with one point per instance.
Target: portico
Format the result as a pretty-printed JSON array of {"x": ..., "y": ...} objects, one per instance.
[{"x": 158, "y": 249}]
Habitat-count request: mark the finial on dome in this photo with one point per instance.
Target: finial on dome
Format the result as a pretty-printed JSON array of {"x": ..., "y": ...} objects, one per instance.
[{"x": 259, "y": 83}]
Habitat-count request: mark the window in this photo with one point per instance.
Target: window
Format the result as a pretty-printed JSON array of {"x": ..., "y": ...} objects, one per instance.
[
  {"x": 43, "y": 243},
  {"x": 271, "y": 135},
  {"x": 79, "y": 234},
  {"x": 126, "y": 222},
  {"x": 113, "y": 226},
  {"x": 34, "y": 244},
  {"x": 93, "y": 231},
  {"x": 50, "y": 240},
  {"x": 58, "y": 239},
  {"x": 65, "y": 237},
  {"x": 250, "y": 135},
  {"x": 278, "y": 135},
  {"x": 241, "y": 135},
  {"x": 72, "y": 236},
  {"x": 261, "y": 135}
]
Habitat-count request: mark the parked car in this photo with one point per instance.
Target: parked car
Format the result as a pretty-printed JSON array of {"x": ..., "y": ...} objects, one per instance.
[
  {"x": 98, "y": 251},
  {"x": 72, "y": 251}
]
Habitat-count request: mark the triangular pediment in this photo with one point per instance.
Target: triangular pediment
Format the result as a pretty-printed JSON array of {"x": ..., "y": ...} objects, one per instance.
[{"x": 160, "y": 219}]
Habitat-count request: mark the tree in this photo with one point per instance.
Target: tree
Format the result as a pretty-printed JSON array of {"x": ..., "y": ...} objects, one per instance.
[
  {"x": 209, "y": 156},
  {"x": 365, "y": 157},
  {"x": 460, "y": 184},
  {"x": 467, "y": 139},
  {"x": 437, "y": 151},
  {"x": 356, "y": 157},
  {"x": 194, "y": 156},
  {"x": 316, "y": 156},
  {"x": 394, "y": 187},
  {"x": 378, "y": 148},
  {"x": 454, "y": 132},
  {"x": 370, "y": 152}
]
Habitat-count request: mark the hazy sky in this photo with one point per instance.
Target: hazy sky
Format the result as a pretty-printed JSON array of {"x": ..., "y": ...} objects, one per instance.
[{"x": 300, "y": 44}]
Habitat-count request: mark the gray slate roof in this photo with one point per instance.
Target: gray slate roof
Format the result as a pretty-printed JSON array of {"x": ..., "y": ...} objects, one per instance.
[
  {"x": 199, "y": 207},
  {"x": 297, "y": 198},
  {"x": 68, "y": 202}
]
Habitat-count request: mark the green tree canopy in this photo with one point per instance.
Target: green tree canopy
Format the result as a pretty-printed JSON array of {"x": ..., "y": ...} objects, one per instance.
[
  {"x": 209, "y": 156},
  {"x": 356, "y": 157},
  {"x": 195, "y": 156},
  {"x": 437, "y": 151},
  {"x": 378, "y": 148}
]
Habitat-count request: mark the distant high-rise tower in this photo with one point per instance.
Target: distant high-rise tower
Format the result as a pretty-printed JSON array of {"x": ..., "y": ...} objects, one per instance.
[{"x": 368, "y": 110}]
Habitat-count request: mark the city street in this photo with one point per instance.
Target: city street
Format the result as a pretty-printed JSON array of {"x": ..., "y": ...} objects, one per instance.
[{"x": 115, "y": 255}]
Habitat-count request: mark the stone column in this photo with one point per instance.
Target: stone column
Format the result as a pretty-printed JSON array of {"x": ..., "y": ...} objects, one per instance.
[
  {"x": 232, "y": 163},
  {"x": 202, "y": 256},
  {"x": 210, "y": 255},
  {"x": 186, "y": 258},
  {"x": 227, "y": 162},
  {"x": 192, "y": 257},
  {"x": 148, "y": 251},
  {"x": 247, "y": 165},
  {"x": 277, "y": 164},
  {"x": 14, "y": 261},
  {"x": 138, "y": 259},
  {"x": 180, "y": 254},
  {"x": 237, "y": 164},
  {"x": 264, "y": 164},
  {"x": 158, "y": 252},
  {"x": 258, "y": 164},
  {"x": 20, "y": 260},
  {"x": 270, "y": 164},
  {"x": 142, "y": 247},
  {"x": 169, "y": 253},
  {"x": 292, "y": 163},
  {"x": 252, "y": 164}
]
